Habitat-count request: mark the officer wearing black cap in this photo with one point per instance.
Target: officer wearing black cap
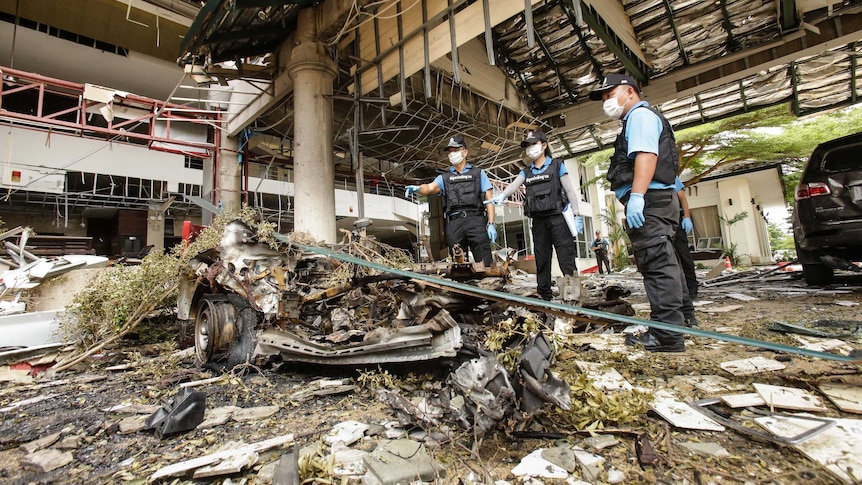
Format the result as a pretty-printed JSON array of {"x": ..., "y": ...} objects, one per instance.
[
  {"x": 642, "y": 173},
  {"x": 549, "y": 190},
  {"x": 469, "y": 221}
]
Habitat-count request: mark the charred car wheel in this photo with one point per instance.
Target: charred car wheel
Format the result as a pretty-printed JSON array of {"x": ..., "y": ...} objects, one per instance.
[{"x": 215, "y": 328}]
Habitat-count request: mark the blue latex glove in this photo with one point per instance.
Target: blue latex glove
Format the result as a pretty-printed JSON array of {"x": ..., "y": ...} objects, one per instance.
[
  {"x": 686, "y": 225},
  {"x": 497, "y": 200},
  {"x": 492, "y": 232},
  {"x": 579, "y": 224},
  {"x": 635, "y": 211},
  {"x": 410, "y": 190}
]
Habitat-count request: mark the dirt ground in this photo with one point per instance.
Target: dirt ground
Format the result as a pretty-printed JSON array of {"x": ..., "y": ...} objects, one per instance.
[{"x": 77, "y": 402}]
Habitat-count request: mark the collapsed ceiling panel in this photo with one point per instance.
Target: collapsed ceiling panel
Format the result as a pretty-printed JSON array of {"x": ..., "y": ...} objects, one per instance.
[{"x": 699, "y": 61}]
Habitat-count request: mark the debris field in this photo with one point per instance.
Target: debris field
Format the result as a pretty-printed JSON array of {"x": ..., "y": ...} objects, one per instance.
[{"x": 284, "y": 366}]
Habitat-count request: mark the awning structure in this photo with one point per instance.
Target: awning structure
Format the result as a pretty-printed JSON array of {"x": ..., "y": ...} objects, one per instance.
[{"x": 490, "y": 69}]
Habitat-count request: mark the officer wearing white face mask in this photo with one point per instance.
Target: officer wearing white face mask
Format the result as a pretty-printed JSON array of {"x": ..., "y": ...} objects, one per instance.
[
  {"x": 549, "y": 190},
  {"x": 642, "y": 174},
  {"x": 469, "y": 221}
]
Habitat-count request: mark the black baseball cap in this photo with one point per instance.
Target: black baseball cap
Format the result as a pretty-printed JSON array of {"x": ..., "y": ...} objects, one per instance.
[
  {"x": 455, "y": 142},
  {"x": 611, "y": 81},
  {"x": 533, "y": 136}
]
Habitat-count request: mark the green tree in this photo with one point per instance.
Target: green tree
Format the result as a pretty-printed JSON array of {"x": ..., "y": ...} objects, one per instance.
[
  {"x": 616, "y": 236},
  {"x": 778, "y": 239}
]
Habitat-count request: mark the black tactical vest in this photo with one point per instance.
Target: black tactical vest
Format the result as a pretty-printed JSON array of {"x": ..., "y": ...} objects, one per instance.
[
  {"x": 464, "y": 191},
  {"x": 622, "y": 169},
  {"x": 545, "y": 195}
]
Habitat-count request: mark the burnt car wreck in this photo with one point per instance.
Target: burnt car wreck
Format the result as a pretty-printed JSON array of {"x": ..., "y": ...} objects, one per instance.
[{"x": 248, "y": 301}]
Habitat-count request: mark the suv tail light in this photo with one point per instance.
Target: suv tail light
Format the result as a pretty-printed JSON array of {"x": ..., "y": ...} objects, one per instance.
[{"x": 814, "y": 189}]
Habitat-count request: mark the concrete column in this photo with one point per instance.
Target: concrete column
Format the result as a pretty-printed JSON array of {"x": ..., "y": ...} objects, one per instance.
[
  {"x": 155, "y": 229},
  {"x": 312, "y": 72},
  {"x": 229, "y": 175}
]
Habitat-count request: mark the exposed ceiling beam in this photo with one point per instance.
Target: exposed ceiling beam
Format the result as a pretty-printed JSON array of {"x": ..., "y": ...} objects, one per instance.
[
  {"x": 680, "y": 44},
  {"x": 610, "y": 31},
  {"x": 329, "y": 14},
  {"x": 271, "y": 3},
  {"x": 243, "y": 34},
  {"x": 569, "y": 9},
  {"x": 469, "y": 23},
  {"x": 834, "y": 32},
  {"x": 787, "y": 15}
]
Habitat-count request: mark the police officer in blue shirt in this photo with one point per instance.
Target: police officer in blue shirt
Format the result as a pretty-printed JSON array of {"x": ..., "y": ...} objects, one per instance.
[
  {"x": 548, "y": 189},
  {"x": 465, "y": 189},
  {"x": 642, "y": 172}
]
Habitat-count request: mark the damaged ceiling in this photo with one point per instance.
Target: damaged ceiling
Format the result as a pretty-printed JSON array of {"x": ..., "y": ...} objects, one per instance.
[{"x": 698, "y": 61}]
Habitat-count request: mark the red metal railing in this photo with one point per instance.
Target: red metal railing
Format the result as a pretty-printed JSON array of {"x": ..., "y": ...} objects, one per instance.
[{"x": 65, "y": 93}]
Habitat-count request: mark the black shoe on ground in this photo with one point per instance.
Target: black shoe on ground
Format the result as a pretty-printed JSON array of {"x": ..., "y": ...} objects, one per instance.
[{"x": 652, "y": 344}]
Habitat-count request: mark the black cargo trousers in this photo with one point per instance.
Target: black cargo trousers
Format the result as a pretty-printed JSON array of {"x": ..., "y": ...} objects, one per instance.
[
  {"x": 657, "y": 261},
  {"x": 680, "y": 242},
  {"x": 470, "y": 232},
  {"x": 552, "y": 233}
]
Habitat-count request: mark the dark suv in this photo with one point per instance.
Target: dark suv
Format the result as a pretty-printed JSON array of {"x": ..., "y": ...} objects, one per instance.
[{"x": 827, "y": 215}]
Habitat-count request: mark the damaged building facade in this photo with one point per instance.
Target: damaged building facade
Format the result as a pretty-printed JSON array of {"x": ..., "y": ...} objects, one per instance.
[{"x": 488, "y": 80}]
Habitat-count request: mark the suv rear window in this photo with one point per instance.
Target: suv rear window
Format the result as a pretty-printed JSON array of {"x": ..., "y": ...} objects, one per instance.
[{"x": 842, "y": 159}]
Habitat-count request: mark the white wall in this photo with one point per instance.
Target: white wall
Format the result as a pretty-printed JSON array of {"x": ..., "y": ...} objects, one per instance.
[
  {"x": 38, "y": 148},
  {"x": 57, "y": 153},
  {"x": 40, "y": 53}
]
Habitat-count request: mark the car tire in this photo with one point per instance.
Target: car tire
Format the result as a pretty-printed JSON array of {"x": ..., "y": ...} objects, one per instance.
[{"x": 817, "y": 274}]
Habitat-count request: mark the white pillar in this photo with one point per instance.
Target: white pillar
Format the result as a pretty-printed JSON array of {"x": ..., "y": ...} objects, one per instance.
[{"x": 312, "y": 72}]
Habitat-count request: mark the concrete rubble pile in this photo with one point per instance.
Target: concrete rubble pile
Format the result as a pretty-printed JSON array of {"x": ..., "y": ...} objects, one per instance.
[
  {"x": 30, "y": 323},
  {"x": 22, "y": 270}
]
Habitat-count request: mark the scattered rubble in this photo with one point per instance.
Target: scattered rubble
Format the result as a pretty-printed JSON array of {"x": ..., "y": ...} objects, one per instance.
[{"x": 357, "y": 375}]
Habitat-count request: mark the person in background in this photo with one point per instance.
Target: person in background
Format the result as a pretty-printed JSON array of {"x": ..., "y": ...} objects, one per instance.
[
  {"x": 600, "y": 246},
  {"x": 548, "y": 191},
  {"x": 680, "y": 241},
  {"x": 642, "y": 172},
  {"x": 465, "y": 188}
]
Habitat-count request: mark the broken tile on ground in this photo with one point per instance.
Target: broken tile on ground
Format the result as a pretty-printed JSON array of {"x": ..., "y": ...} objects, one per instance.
[
  {"x": 229, "y": 465},
  {"x": 604, "y": 377},
  {"x": 534, "y": 466},
  {"x": 47, "y": 460},
  {"x": 750, "y": 399},
  {"x": 838, "y": 448},
  {"x": 253, "y": 414},
  {"x": 681, "y": 414},
  {"x": 601, "y": 441},
  {"x": 789, "y": 398},
  {"x": 706, "y": 449},
  {"x": 741, "y": 296},
  {"x": 751, "y": 365},
  {"x": 41, "y": 443},
  {"x": 401, "y": 461},
  {"x": 709, "y": 384},
  {"x": 347, "y": 432},
  {"x": 845, "y": 397},
  {"x": 216, "y": 457},
  {"x": 562, "y": 456},
  {"x": 132, "y": 424},
  {"x": 833, "y": 345},
  {"x": 720, "y": 309},
  {"x": 217, "y": 417}
]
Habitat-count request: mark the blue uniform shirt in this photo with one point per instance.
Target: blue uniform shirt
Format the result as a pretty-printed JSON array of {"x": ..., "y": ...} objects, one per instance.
[
  {"x": 537, "y": 171},
  {"x": 643, "y": 129},
  {"x": 484, "y": 181}
]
